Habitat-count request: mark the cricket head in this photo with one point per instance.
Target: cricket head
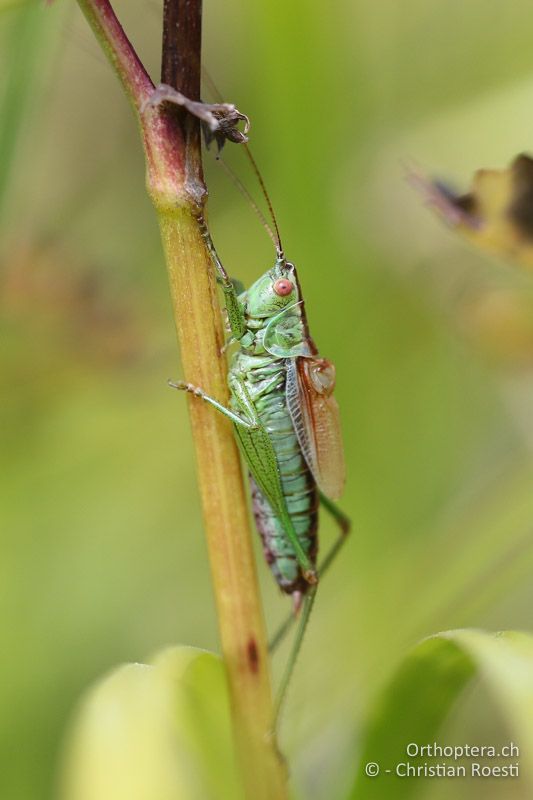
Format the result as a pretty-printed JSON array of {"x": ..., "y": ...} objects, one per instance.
[
  {"x": 275, "y": 303},
  {"x": 272, "y": 292}
]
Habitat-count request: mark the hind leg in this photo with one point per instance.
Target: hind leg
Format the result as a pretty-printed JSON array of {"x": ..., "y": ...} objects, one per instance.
[{"x": 344, "y": 523}]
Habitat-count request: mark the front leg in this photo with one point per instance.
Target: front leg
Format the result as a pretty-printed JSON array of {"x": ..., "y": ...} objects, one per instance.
[{"x": 234, "y": 307}]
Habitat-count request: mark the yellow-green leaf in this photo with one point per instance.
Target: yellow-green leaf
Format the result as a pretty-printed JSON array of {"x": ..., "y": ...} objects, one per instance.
[
  {"x": 158, "y": 731},
  {"x": 426, "y": 685}
]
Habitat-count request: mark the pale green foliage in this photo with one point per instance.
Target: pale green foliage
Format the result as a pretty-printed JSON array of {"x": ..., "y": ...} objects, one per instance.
[
  {"x": 416, "y": 701},
  {"x": 158, "y": 730},
  {"x": 162, "y": 730}
]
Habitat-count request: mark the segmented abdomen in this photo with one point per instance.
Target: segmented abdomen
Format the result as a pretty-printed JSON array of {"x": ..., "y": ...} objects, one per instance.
[{"x": 299, "y": 489}]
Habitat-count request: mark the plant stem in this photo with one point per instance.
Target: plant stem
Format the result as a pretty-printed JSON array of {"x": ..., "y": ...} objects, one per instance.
[
  {"x": 225, "y": 511},
  {"x": 117, "y": 47},
  {"x": 171, "y": 139}
]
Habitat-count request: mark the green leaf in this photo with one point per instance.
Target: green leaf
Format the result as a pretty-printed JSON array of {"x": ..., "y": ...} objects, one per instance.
[
  {"x": 154, "y": 731},
  {"x": 417, "y": 700}
]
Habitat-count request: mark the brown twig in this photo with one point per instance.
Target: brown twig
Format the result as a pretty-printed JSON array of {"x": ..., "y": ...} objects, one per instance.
[
  {"x": 181, "y": 70},
  {"x": 182, "y": 46}
]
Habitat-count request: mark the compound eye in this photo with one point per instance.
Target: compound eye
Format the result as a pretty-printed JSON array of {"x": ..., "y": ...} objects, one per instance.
[{"x": 283, "y": 287}]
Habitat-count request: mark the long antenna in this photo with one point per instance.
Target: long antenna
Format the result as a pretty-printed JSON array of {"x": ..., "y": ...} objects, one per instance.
[
  {"x": 279, "y": 246},
  {"x": 244, "y": 191},
  {"x": 276, "y": 238}
]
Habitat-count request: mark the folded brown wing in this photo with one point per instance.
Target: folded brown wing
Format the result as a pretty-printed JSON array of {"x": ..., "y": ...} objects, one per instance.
[{"x": 315, "y": 416}]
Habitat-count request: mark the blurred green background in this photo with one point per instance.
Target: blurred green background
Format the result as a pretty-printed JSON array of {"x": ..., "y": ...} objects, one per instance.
[{"x": 103, "y": 558}]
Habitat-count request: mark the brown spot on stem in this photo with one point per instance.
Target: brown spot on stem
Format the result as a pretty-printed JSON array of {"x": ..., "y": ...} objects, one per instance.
[{"x": 253, "y": 656}]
